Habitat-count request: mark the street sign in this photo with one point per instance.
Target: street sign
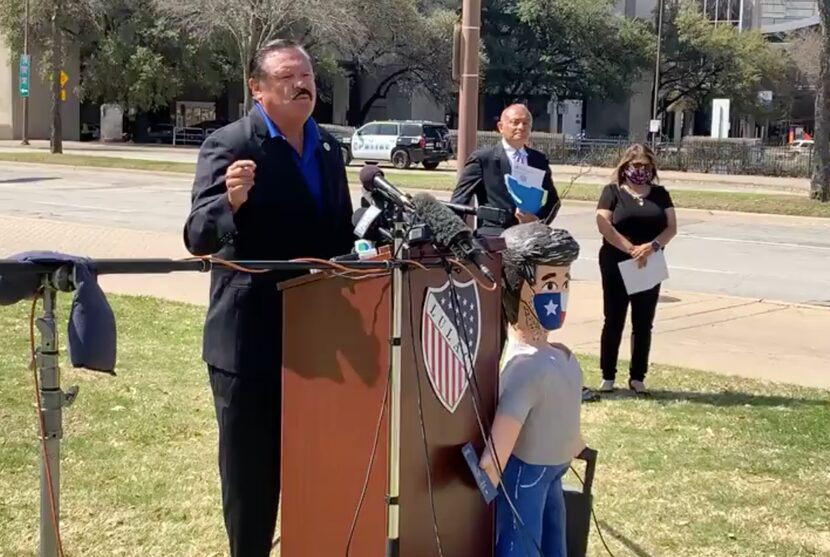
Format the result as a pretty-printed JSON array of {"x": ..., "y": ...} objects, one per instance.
[
  {"x": 720, "y": 118},
  {"x": 23, "y": 74},
  {"x": 654, "y": 126},
  {"x": 64, "y": 78}
]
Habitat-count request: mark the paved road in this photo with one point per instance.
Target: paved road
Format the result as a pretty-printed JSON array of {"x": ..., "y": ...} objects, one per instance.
[
  {"x": 774, "y": 258},
  {"x": 755, "y": 256}
]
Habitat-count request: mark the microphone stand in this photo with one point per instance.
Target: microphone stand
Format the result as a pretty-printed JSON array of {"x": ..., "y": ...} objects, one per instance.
[
  {"x": 52, "y": 401},
  {"x": 395, "y": 356}
]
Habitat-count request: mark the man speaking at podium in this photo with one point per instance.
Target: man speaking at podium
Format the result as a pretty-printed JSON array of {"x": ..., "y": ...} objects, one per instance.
[
  {"x": 484, "y": 175},
  {"x": 270, "y": 186}
]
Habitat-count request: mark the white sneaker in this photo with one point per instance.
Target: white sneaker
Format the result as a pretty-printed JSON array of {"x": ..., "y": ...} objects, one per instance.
[
  {"x": 638, "y": 387},
  {"x": 607, "y": 386}
]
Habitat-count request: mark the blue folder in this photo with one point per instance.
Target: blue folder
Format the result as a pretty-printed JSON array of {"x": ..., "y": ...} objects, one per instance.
[
  {"x": 526, "y": 198},
  {"x": 488, "y": 490}
]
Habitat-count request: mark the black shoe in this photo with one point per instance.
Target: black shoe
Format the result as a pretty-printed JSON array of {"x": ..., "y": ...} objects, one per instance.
[{"x": 589, "y": 396}]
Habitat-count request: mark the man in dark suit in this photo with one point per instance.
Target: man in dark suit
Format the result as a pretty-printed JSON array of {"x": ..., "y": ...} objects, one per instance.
[
  {"x": 483, "y": 173},
  {"x": 271, "y": 186}
]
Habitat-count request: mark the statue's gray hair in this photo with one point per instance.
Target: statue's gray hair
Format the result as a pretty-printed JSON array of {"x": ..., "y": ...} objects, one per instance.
[{"x": 529, "y": 245}]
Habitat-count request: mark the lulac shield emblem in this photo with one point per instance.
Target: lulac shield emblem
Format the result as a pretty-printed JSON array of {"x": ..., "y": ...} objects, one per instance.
[{"x": 451, "y": 333}]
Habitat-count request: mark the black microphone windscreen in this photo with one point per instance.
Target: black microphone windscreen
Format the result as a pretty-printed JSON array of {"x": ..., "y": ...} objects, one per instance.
[
  {"x": 367, "y": 176},
  {"x": 445, "y": 225},
  {"x": 448, "y": 230}
]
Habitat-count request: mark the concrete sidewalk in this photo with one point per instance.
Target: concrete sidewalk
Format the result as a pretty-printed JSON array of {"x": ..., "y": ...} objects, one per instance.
[
  {"x": 23, "y": 234},
  {"x": 760, "y": 339},
  {"x": 562, "y": 174},
  {"x": 751, "y": 338}
]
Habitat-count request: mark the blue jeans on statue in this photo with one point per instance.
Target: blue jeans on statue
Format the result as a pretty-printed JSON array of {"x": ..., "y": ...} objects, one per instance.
[{"x": 536, "y": 493}]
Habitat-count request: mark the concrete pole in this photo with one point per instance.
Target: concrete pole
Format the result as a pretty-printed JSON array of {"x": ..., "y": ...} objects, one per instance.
[
  {"x": 657, "y": 70},
  {"x": 741, "y": 17},
  {"x": 469, "y": 82}
]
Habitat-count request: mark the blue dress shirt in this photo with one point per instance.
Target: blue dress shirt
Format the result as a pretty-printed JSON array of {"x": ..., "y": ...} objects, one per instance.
[{"x": 309, "y": 162}]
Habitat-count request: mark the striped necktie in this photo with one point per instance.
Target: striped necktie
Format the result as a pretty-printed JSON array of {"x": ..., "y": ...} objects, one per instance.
[{"x": 519, "y": 157}]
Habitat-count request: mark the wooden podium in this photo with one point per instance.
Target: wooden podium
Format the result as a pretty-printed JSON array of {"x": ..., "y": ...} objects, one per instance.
[{"x": 336, "y": 362}]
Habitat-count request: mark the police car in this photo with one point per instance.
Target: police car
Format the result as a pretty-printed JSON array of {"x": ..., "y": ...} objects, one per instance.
[{"x": 403, "y": 143}]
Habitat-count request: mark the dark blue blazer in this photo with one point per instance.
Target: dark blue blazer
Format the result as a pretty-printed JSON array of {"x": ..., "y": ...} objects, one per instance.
[{"x": 280, "y": 221}]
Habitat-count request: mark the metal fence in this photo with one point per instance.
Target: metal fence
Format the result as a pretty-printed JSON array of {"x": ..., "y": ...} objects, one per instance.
[
  {"x": 753, "y": 160},
  {"x": 694, "y": 155},
  {"x": 190, "y": 135}
]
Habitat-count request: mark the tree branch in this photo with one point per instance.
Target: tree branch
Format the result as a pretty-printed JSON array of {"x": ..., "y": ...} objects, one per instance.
[{"x": 381, "y": 91}]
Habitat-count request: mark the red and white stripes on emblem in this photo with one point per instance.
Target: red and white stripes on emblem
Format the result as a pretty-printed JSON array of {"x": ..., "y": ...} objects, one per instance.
[{"x": 446, "y": 371}]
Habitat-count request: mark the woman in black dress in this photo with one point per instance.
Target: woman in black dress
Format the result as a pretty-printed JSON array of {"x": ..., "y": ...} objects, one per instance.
[{"x": 636, "y": 218}]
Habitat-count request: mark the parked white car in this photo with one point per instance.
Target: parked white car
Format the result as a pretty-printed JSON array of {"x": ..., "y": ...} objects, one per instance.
[{"x": 403, "y": 143}]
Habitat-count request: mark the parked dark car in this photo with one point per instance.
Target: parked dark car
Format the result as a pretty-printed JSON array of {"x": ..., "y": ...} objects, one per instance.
[{"x": 343, "y": 134}]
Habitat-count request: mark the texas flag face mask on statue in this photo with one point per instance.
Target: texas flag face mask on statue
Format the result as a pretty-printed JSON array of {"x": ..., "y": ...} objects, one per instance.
[
  {"x": 549, "y": 295},
  {"x": 551, "y": 308}
]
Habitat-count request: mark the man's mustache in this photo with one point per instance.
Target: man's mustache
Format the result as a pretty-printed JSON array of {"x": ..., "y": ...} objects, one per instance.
[{"x": 302, "y": 92}]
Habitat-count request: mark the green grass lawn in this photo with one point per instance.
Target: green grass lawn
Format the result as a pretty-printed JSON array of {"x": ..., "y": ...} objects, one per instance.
[
  {"x": 747, "y": 202},
  {"x": 93, "y": 161},
  {"x": 711, "y": 466}
]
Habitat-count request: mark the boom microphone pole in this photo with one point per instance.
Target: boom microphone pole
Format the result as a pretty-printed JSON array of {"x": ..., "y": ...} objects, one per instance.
[
  {"x": 48, "y": 274},
  {"x": 165, "y": 266}
]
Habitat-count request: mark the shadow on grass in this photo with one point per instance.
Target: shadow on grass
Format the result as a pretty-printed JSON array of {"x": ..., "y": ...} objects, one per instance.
[
  {"x": 730, "y": 398},
  {"x": 632, "y": 546},
  {"x": 722, "y": 399}
]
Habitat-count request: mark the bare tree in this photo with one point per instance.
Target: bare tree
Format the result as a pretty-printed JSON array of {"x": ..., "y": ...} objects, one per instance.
[
  {"x": 250, "y": 24},
  {"x": 403, "y": 48},
  {"x": 805, "y": 50},
  {"x": 809, "y": 50},
  {"x": 820, "y": 184},
  {"x": 584, "y": 170}
]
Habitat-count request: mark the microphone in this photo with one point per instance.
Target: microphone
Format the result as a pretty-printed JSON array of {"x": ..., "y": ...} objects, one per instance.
[
  {"x": 449, "y": 231},
  {"x": 461, "y": 209},
  {"x": 493, "y": 214},
  {"x": 373, "y": 180},
  {"x": 368, "y": 224}
]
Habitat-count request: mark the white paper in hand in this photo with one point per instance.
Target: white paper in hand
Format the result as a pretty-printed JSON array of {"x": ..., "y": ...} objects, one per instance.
[
  {"x": 528, "y": 176},
  {"x": 639, "y": 280}
]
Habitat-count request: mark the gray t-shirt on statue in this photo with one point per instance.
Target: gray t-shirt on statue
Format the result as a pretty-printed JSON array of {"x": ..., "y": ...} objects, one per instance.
[{"x": 542, "y": 389}]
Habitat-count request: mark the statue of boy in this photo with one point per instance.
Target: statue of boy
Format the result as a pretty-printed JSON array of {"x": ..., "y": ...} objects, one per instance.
[{"x": 536, "y": 432}]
